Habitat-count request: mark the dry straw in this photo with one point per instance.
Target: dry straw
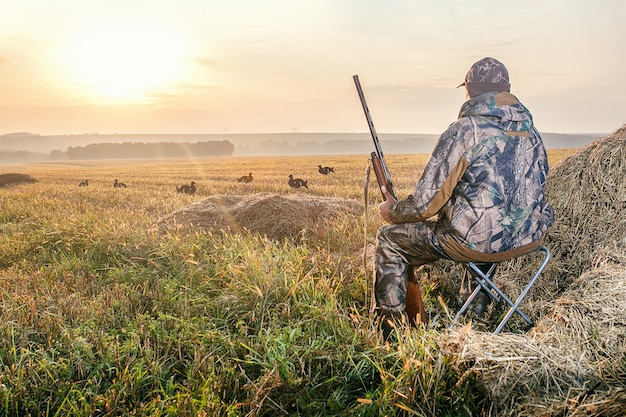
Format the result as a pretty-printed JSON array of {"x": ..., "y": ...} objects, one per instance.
[
  {"x": 14, "y": 179},
  {"x": 588, "y": 192},
  {"x": 573, "y": 362},
  {"x": 274, "y": 216}
]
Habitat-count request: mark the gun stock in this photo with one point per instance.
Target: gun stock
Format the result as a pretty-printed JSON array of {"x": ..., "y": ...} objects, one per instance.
[
  {"x": 380, "y": 173},
  {"x": 414, "y": 304}
]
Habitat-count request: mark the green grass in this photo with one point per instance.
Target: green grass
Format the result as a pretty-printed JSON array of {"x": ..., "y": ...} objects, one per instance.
[{"x": 101, "y": 317}]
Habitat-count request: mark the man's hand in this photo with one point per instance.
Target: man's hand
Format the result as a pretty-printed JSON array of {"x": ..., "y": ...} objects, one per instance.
[{"x": 386, "y": 205}]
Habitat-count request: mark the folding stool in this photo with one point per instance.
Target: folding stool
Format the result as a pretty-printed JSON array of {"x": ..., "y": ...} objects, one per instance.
[{"x": 486, "y": 284}]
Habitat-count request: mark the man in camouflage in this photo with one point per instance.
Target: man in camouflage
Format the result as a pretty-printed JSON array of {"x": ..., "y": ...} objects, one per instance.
[{"x": 480, "y": 196}]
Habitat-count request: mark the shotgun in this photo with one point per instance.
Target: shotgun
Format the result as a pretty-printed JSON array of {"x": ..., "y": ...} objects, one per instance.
[
  {"x": 414, "y": 303},
  {"x": 378, "y": 159}
]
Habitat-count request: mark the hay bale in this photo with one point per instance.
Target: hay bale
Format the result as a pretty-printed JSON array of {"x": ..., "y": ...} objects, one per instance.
[
  {"x": 274, "y": 216},
  {"x": 588, "y": 404},
  {"x": 579, "y": 343},
  {"x": 7, "y": 180},
  {"x": 588, "y": 193}
]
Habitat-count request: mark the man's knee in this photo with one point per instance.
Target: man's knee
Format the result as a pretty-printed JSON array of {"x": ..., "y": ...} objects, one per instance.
[{"x": 383, "y": 235}]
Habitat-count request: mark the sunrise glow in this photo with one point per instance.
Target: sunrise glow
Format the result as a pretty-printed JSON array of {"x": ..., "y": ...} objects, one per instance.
[
  {"x": 278, "y": 66},
  {"x": 125, "y": 62}
]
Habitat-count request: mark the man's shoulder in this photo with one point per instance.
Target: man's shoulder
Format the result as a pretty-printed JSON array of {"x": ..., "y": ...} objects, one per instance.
[{"x": 463, "y": 128}]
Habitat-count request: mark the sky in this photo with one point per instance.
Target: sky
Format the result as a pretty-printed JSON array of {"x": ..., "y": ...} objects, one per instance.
[{"x": 276, "y": 66}]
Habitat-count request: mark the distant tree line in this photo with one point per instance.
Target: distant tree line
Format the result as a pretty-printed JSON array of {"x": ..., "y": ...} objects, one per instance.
[
  {"x": 131, "y": 150},
  {"x": 24, "y": 141},
  {"x": 392, "y": 144},
  {"x": 22, "y": 147},
  {"x": 417, "y": 144},
  {"x": 20, "y": 157}
]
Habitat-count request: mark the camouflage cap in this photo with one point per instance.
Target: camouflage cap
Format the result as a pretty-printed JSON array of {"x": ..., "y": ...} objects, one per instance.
[{"x": 486, "y": 75}]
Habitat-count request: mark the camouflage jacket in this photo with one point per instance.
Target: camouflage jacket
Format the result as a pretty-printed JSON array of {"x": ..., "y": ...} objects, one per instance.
[{"x": 484, "y": 182}]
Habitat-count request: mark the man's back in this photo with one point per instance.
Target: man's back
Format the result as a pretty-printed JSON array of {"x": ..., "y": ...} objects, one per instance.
[{"x": 498, "y": 203}]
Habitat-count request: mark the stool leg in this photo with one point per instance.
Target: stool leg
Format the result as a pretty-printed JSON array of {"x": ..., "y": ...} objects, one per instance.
[
  {"x": 514, "y": 307},
  {"x": 483, "y": 278},
  {"x": 508, "y": 300},
  {"x": 466, "y": 304},
  {"x": 485, "y": 283},
  {"x": 480, "y": 276},
  {"x": 476, "y": 273}
]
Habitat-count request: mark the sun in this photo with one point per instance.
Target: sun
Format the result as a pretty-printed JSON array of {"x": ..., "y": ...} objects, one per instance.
[{"x": 126, "y": 62}]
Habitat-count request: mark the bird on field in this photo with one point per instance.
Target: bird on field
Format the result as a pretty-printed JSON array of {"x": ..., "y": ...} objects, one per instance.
[
  {"x": 118, "y": 184},
  {"x": 84, "y": 183},
  {"x": 325, "y": 170},
  {"x": 187, "y": 189},
  {"x": 245, "y": 178},
  {"x": 297, "y": 182}
]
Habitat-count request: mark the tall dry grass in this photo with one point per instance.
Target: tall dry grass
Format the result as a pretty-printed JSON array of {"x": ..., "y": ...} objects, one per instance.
[{"x": 101, "y": 317}]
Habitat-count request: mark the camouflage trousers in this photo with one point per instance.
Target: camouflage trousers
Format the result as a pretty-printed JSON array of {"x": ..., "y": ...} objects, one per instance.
[{"x": 398, "y": 248}]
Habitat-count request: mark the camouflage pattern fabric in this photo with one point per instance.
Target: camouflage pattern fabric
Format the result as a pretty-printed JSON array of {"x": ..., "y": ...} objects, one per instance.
[
  {"x": 488, "y": 70},
  {"x": 400, "y": 246},
  {"x": 487, "y": 75},
  {"x": 485, "y": 184}
]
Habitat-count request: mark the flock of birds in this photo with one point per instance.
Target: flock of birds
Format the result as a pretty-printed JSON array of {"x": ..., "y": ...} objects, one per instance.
[
  {"x": 299, "y": 182},
  {"x": 293, "y": 182},
  {"x": 191, "y": 187}
]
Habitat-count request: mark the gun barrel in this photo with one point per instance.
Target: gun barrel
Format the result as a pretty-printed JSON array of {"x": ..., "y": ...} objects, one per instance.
[{"x": 379, "y": 151}]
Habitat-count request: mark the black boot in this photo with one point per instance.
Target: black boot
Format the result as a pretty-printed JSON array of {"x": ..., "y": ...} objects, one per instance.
[
  {"x": 468, "y": 285},
  {"x": 480, "y": 303}
]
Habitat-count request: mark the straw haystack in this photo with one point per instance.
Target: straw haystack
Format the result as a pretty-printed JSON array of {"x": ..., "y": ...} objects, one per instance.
[
  {"x": 588, "y": 192},
  {"x": 573, "y": 362},
  {"x": 274, "y": 216},
  {"x": 7, "y": 180}
]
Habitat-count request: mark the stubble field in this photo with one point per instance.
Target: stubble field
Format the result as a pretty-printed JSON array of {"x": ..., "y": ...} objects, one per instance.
[{"x": 101, "y": 316}]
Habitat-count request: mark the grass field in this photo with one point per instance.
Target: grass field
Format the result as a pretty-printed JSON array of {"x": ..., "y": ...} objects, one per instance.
[{"x": 101, "y": 317}]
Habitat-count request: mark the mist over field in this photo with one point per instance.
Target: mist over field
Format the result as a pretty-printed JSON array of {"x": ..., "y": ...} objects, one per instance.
[{"x": 30, "y": 147}]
